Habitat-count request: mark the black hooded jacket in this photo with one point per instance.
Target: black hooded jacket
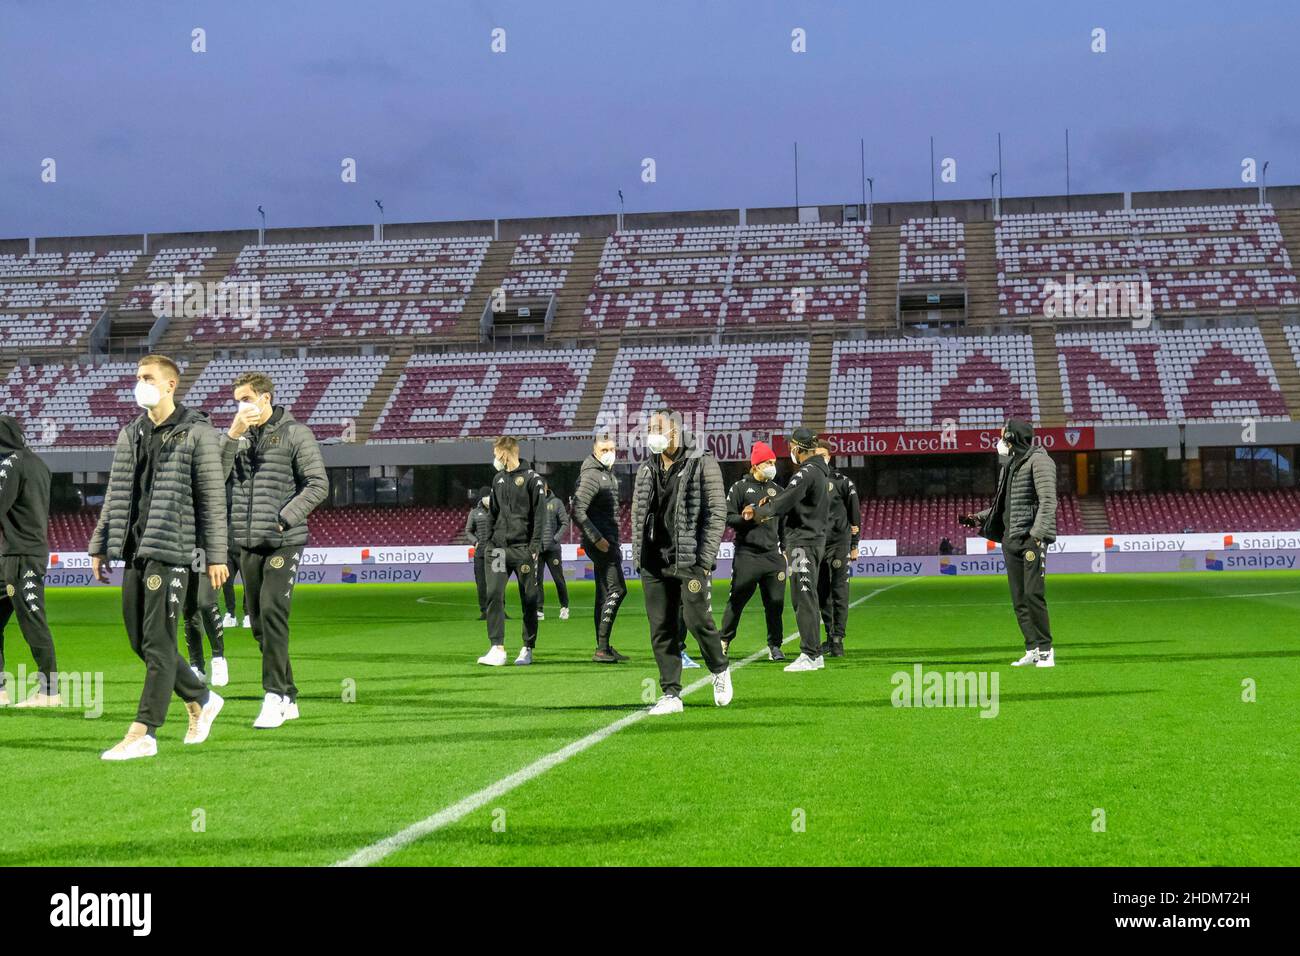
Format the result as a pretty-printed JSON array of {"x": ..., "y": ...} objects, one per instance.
[{"x": 24, "y": 495}]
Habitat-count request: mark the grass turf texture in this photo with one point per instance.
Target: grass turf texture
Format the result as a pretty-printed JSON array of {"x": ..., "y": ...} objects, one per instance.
[{"x": 1143, "y": 718}]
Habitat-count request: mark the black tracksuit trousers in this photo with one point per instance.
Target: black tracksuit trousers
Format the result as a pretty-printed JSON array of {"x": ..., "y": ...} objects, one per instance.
[
  {"x": 480, "y": 581},
  {"x": 756, "y": 571},
  {"x": 1027, "y": 575},
  {"x": 667, "y": 597},
  {"x": 22, "y": 595},
  {"x": 228, "y": 589},
  {"x": 833, "y": 589},
  {"x": 202, "y": 616},
  {"x": 152, "y": 596},
  {"x": 269, "y": 577},
  {"x": 501, "y": 563},
  {"x": 805, "y": 564},
  {"x": 611, "y": 588},
  {"x": 552, "y": 562}
]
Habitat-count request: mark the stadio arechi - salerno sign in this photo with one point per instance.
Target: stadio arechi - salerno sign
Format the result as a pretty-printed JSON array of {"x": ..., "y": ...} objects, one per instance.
[{"x": 940, "y": 442}]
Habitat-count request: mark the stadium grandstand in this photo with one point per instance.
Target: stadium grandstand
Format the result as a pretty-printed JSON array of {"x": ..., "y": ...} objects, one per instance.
[{"x": 904, "y": 331}]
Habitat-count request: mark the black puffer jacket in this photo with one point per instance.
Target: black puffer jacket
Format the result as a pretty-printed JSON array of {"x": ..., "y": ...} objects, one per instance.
[
  {"x": 24, "y": 494},
  {"x": 701, "y": 512},
  {"x": 554, "y": 522},
  {"x": 187, "y": 514},
  {"x": 595, "y": 503},
  {"x": 279, "y": 478},
  {"x": 1029, "y": 481},
  {"x": 478, "y": 525}
]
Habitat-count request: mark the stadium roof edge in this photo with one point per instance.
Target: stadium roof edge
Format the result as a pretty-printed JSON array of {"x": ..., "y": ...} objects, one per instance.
[{"x": 601, "y": 224}]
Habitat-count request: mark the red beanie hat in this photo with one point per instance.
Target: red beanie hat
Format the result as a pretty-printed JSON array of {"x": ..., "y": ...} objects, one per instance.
[{"x": 760, "y": 453}]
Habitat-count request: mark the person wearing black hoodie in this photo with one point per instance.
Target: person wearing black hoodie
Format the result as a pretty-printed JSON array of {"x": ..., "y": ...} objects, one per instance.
[
  {"x": 515, "y": 535},
  {"x": 1022, "y": 519},
  {"x": 24, "y": 556},
  {"x": 805, "y": 503}
]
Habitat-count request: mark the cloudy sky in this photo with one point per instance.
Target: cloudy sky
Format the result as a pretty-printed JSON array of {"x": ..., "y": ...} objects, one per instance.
[{"x": 148, "y": 135}]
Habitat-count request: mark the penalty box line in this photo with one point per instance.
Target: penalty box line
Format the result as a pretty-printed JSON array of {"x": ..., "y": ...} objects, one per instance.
[{"x": 375, "y": 852}]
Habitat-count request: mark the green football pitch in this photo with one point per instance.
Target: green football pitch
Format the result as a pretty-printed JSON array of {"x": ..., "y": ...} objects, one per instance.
[{"x": 1167, "y": 734}]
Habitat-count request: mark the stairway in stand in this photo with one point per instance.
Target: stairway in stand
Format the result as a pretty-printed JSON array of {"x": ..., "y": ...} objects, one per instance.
[{"x": 1092, "y": 515}]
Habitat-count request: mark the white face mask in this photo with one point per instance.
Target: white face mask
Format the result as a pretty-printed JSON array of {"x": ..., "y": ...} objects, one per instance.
[
  {"x": 607, "y": 459},
  {"x": 657, "y": 443},
  {"x": 147, "y": 394},
  {"x": 249, "y": 407},
  {"x": 498, "y": 464},
  {"x": 767, "y": 471},
  {"x": 794, "y": 456},
  {"x": 1004, "y": 449},
  {"x": 485, "y": 502}
]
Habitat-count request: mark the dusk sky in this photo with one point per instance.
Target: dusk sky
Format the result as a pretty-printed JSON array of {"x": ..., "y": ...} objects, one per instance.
[{"x": 150, "y": 136}]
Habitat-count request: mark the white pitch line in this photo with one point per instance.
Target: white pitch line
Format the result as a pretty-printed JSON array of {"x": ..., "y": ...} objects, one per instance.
[{"x": 369, "y": 855}]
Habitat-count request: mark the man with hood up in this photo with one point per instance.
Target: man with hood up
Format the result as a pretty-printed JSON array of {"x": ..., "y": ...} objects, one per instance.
[
  {"x": 164, "y": 512},
  {"x": 278, "y": 479},
  {"x": 1022, "y": 519},
  {"x": 24, "y": 556}
]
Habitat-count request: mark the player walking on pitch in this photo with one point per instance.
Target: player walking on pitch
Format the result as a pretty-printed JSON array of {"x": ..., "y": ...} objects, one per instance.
[
  {"x": 595, "y": 509},
  {"x": 758, "y": 563},
  {"x": 164, "y": 508},
  {"x": 679, "y": 511},
  {"x": 476, "y": 528},
  {"x": 842, "y": 527},
  {"x": 515, "y": 535},
  {"x": 278, "y": 479},
  {"x": 804, "y": 505},
  {"x": 1023, "y": 519},
  {"x": 555, "y": 521},
  {"x": 24, "y": 556}
]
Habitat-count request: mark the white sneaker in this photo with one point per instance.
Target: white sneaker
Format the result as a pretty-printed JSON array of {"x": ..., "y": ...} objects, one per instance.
[
  {"x": 667, "y": 704},
  {"x": 202, "y": 716},
  {"x": 495, "y": 657},
  {"x": 230, "y": 621},
  {"x": 1031, "y": 657},
  {"x": 525, "y": 656},
  {"x": 272, "y": 713},
  {"x": 722, "y": 688},
  {"x": 804, "y": 663},
  {"x": 1044, "y": 660},
  {"x": 687, "y": 663},
  {"x": 290, "y": 710},
  {"x": 40, "y": 700},
  {"x": 133, "y": 746},
  {"x": 541, "y": 615},
  {"x": 564, "y": 614},
  {"x": 199, "y": 674},
  {"x": 220, "y": 672},
  {"x": 4, "y": 698},
  {"x": 248, "y": 621}
]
